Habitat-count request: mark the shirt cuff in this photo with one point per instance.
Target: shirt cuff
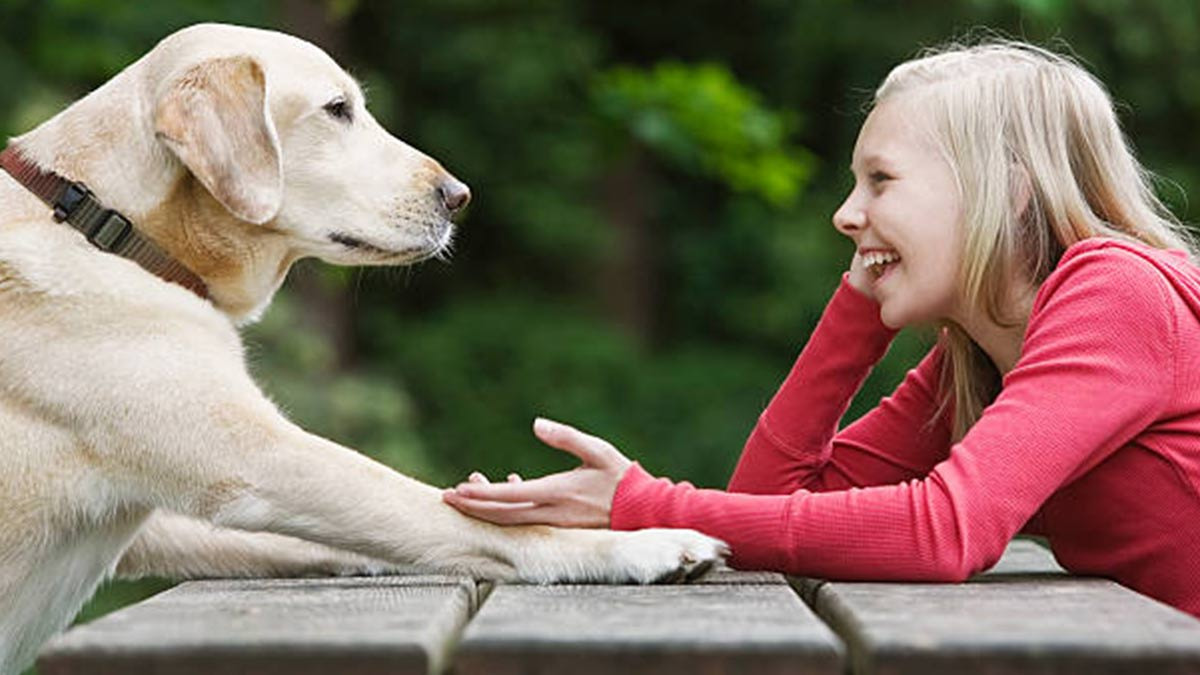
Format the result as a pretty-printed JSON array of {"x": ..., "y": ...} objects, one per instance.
[{"x": 633, "y": 503}]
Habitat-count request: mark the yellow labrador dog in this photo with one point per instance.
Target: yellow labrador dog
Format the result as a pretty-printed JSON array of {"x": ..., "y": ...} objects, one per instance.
[{"x": 137, "y": 228}]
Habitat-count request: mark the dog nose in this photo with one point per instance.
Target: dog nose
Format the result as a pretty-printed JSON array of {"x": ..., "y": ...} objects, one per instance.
[{"x": 454, "y": 193}]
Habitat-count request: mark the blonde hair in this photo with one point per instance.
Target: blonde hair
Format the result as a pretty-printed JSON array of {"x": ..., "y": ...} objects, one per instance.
[{"x": 1021, "y": 125}]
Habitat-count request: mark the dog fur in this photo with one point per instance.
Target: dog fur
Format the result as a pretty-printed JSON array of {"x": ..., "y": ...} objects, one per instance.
[{"x": 132, "y": 439}]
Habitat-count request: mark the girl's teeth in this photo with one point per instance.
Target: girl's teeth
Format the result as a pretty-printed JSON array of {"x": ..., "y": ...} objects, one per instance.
[
  {"x": 875, "y": 259},
  {"x": 876, "y": 262}
]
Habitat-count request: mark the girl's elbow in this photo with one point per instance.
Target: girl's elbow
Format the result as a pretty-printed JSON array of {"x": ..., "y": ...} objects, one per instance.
[
  {"x": 970, "y": 561},
  {"x": 952, "y": 573}
]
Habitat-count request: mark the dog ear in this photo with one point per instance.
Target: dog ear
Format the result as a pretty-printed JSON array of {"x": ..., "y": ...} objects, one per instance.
[{"x": 215, "y": 119}]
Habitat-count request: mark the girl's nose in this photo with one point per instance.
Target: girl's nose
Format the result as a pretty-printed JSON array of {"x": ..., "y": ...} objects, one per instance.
[{"x": 850, "y": 217}]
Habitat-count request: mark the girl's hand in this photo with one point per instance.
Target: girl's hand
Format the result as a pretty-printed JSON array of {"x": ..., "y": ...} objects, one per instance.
[
  {"x": 581, "y": 497},
  {"x": 860, "y": 278}
]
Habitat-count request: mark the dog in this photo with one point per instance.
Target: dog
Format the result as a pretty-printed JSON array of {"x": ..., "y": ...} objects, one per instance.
[{"x": 132, "y": 439}]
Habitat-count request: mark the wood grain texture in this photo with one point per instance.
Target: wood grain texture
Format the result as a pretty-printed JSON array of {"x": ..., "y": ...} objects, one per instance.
[
  {"x": 1023, "y": 616},
  {"x": 349, "y": 625},
  {"x": 700, "y": 628},
  {"x": 1026, "y": 615}
]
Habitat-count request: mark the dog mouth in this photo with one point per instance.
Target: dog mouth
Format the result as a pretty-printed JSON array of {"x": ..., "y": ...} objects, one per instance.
[{"x": 436, "y": 244}]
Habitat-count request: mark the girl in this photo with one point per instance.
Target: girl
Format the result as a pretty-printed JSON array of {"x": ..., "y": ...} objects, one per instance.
[{"x": 994, "y": 195}]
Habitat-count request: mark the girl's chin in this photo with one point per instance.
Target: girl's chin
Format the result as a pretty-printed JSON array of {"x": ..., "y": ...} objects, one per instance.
[{"x": 893, "y": 317}]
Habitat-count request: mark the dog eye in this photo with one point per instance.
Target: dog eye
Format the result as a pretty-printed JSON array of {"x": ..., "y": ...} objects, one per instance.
[{"x": 339, "y": 109}]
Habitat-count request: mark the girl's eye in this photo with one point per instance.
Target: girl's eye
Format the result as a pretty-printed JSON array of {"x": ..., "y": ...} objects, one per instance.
[
  {"x": 879, "y": 177},
  {"x": 339, "y": 109}
]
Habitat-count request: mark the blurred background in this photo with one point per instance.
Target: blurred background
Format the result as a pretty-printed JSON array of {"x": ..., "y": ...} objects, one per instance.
[{"x": 649, "y": 243}]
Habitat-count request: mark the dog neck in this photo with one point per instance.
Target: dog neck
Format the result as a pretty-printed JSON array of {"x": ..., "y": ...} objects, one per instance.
[
  {"x": 118, "y": 157},
  {"x": 242, "y": 262},
  {"x": 108, "y": 230}
]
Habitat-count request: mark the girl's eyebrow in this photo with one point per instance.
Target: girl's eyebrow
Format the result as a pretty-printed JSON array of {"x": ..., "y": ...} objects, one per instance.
[{"x": 872, "y": 160}]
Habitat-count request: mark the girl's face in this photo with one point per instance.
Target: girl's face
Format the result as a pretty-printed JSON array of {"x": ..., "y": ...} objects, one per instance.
[{"x": 905, "y": 217}]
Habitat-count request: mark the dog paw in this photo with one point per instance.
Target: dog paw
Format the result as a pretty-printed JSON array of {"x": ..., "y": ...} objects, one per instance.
[{"x": 662, "y": 556}]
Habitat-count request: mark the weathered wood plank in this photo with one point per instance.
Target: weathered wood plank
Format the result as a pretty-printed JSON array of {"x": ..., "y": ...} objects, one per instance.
[
  {"x": 349, "y": 625},
  {"x": 701, "y": 628},
  {"x": 1023, "y": 616}
]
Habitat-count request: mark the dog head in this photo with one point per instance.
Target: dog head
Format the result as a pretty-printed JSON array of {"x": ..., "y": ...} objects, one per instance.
[{"x": 279, "y": 135}]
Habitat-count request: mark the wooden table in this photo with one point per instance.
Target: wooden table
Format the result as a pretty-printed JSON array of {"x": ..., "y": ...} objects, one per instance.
[{"x": 1024, "y": 616}]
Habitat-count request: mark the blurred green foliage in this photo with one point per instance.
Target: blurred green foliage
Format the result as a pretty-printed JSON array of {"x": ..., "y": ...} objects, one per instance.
[
  {"x": 649, "y": 242},
  {"x": 700, "y": 118}
]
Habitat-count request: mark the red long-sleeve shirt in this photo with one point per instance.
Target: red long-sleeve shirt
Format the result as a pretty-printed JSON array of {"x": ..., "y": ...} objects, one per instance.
[{"x": 1093, "y": 442}]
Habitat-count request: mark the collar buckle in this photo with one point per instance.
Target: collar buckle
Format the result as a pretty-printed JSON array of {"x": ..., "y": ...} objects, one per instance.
[
  {"x": 73, "y": 195},
  {"x": 110, "y": 232},
  {"x": 77, "y": 205}
]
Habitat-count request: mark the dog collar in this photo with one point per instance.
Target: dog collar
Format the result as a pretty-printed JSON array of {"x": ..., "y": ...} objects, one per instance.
[{"x": 106, "y": 229}]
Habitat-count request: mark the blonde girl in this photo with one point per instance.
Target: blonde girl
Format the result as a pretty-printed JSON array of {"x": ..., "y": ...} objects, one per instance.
[{"x": 996, "y": 197}]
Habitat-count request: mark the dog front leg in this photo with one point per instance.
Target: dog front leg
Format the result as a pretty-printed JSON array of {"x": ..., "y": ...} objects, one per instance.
[
  {"x": 271, "y": 476},
  {"x": 173, "y": 546}
]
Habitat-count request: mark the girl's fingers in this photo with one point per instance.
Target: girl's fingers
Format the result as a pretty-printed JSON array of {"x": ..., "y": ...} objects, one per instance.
[
  {"x": 501, "y": 513},
  {"x": 540, "y": 490},
  {"x": 591, "y": 450},
  {"x": 477, "y": 477}
]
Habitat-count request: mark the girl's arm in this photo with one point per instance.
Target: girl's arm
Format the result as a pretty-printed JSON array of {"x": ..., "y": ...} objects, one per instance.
[
  {"x": 1097, "y": 368},
  {"x": 795, "y": 443}
]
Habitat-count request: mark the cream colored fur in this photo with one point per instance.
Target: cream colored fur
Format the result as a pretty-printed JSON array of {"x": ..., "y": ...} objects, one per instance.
[{"x": 132, "y": 439}]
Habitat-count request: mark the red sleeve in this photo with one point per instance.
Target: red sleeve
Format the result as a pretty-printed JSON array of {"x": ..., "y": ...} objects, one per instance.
[
  {"x": 794, "y": 443},
  {"x": 1097, "y": 367}
]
